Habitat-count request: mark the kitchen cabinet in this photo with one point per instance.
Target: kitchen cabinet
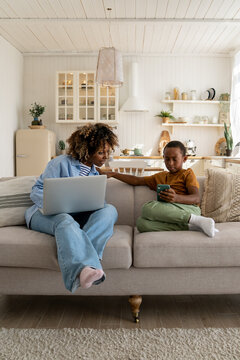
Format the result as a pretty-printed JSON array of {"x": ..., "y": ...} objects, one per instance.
[
  {"x": 233, "y": 167},
  {"x": 108, "y": 104},
  {"x": 197, "y": 165},
  {"x": 79, "y": 100},
  {"x": 211, "y": 163},
  {"x": 76, "y": 97}
]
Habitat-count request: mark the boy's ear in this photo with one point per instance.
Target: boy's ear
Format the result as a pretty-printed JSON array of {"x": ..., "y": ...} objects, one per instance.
[{"x": 185, "y": 158}]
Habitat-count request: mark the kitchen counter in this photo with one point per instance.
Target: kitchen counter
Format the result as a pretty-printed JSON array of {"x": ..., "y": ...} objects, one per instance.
[
  {"x": 156, "y": 157},
  {"x": 233, "y": 160}
]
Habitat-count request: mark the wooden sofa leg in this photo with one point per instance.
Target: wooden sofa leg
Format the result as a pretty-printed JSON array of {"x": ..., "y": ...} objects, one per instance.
[{"x": 135, "y": 303}]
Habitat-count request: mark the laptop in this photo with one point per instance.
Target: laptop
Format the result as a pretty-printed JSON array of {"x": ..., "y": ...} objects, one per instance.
[{"x": 73, "y": 194}]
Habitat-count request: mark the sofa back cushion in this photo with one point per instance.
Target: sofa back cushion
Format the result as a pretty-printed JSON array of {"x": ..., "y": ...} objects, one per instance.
[
  {"x": 15, "y": 199},
  {"x": 143, "y": 194},
  {"x": 121, "y": 195}
]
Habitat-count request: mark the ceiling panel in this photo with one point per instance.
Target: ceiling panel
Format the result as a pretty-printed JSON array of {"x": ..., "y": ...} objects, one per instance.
[
  {"x": 233, "y": 10},
  {"x": 192, "y": 9},
  {"x": 94, "y": 9},
  {"x": 182, "y": 8},
  {"x": 161, "y": 8},
  {"x": 4, "y": 6},
  {"x": 172, "y": 7},
  {"x": 136, "y": 26}
]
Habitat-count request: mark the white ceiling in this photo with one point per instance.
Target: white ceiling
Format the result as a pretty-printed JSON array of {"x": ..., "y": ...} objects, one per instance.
[{"x": 133, "y": 26}]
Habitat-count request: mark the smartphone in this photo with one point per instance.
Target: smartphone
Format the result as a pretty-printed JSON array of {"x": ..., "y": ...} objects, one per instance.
[{"x": 161, "y": 187}]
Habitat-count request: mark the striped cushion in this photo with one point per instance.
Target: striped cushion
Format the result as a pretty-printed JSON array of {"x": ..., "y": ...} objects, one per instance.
[{"x": 15, "y": 199}]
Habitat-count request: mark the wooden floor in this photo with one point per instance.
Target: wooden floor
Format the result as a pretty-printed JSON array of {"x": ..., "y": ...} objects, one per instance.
[{"x": 114, "y": 312}]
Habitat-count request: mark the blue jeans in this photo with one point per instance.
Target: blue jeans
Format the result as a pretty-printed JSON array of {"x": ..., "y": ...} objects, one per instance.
[{"x": 78, "y": 247}]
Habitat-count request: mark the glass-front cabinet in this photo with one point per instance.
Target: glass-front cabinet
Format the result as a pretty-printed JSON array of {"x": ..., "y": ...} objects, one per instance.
[
  {"x": 108, "y": 103},
  {"x": 79, "y": 100},
  {"x": 65, "y": 97}
]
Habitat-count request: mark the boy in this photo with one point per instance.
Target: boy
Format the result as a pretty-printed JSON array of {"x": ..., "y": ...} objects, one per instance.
[{"x": 180, "y": 209}]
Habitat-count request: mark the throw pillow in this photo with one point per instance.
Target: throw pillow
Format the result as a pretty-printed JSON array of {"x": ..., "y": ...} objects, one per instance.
[
  {"x": 15, "y": 199},
  {"x": 221, "y": 197}
]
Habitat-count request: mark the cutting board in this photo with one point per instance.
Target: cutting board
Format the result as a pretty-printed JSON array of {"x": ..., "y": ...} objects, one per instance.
[{"x": 164, "y": 139}]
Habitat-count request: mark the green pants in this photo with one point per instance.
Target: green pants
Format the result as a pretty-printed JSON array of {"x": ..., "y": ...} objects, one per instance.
[{"x": 164, "y": 216}]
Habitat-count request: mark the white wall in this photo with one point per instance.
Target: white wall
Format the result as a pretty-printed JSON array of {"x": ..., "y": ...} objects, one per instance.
[
  {"x": 11, "y": 102},
  {"x": 156, "y": 75}
]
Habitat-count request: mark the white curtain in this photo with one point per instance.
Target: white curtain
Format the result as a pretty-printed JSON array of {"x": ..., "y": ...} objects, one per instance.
[{"x": 235, "y": 100}]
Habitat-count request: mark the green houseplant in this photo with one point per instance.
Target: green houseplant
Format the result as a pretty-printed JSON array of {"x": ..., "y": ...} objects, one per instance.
[
  {"x": 36, "y": 110},
  {"x": 62, "y": 146},
  {"x": 229, "y": 139},
  {"x": 166, "y": 116}
]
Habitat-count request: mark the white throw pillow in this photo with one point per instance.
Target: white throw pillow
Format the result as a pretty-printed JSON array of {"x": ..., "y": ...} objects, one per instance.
[
  {"x": 15, "y": 199},
  {"x": 221, "y": 198}
]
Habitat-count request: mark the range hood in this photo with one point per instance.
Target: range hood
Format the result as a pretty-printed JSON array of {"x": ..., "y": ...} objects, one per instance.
[{"x": 134, "y": 103}]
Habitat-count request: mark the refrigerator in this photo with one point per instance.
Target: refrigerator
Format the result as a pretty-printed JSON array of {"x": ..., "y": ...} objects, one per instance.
[{"x": 34, "y": 149}]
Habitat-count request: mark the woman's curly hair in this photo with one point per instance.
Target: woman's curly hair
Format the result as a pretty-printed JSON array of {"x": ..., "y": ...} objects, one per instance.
[{"x": 88, "y": 139}]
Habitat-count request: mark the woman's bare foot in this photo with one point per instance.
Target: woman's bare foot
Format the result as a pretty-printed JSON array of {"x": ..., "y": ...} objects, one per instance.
[{"x": 88, "y": 275}]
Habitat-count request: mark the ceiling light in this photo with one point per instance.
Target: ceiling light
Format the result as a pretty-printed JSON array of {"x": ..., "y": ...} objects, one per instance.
[{"x": 109, "y": 65}]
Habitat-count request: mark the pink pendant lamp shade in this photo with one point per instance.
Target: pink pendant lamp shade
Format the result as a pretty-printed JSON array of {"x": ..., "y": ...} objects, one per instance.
[{"x": 109, "y": 67}]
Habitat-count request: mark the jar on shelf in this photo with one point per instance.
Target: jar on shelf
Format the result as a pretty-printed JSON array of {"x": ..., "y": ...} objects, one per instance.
[
  {"x": 193, "y": 95},
  {"x": 167, "y": 95},
  {"x": 176, "y": 93},
  {"x": 184, "y": 96}
]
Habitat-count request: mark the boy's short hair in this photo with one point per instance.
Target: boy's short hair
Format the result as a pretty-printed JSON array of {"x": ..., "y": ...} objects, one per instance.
[{"x": 176, "y": 144}]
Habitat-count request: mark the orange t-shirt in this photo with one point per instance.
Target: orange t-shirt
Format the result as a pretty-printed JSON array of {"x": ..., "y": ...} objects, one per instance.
[{"x": 179, "y": 181}]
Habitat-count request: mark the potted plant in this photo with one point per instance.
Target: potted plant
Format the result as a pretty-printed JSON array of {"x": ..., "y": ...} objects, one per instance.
[
  {"x": 62, "y": 146},
  {"x": 166, "y": 116},
  {"x": 36, "y": 110},
  {"x": 229, "y": 139},
  {"x": 224, "y": 97}
]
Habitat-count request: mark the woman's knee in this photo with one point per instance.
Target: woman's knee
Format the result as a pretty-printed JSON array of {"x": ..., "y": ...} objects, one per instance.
[
  {"x": 111, "y": 212},
  {"x": 63, "y": 219}
]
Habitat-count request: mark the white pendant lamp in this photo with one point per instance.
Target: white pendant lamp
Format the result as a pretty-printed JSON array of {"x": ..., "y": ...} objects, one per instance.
[{"x": 109, "y": 66}]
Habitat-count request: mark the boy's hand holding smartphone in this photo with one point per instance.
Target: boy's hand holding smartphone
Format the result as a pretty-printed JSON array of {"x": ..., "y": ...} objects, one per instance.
[{"x": 165, "y": 193}]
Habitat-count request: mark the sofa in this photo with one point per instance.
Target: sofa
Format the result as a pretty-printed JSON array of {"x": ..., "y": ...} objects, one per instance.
[{"x": 136, "y": 264}]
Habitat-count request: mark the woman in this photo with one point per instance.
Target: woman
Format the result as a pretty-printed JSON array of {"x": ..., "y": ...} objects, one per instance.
[{"x": 80, "y": 237}]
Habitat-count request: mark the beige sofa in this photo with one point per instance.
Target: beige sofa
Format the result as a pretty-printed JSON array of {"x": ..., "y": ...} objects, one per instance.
[{"x": 136, "y": 264}]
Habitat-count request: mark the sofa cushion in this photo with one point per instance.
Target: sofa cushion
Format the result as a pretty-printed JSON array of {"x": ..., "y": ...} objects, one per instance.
[
  {"x": 188, "y": 248},
  {"x": 143, "y": 194},
  {"x": 15, "y": 199},
  {"x": 121, "y": 195},
  {"x": 221, "y": 198},
  {"x": 21, "y": 247}
]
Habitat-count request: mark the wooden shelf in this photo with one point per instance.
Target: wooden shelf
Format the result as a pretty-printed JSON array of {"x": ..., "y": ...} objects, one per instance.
[
  {"x": 172, "y": 125},
  {"x": 189, "y": 124},
  {"x": 194, "y": 102}
]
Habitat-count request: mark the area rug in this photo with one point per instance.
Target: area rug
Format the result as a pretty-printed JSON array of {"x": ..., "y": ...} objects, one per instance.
[{"x": 92, "y": 344}]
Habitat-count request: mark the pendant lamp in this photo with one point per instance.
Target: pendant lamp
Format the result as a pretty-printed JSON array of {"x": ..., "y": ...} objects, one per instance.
[{"x": 109, "y": 65}]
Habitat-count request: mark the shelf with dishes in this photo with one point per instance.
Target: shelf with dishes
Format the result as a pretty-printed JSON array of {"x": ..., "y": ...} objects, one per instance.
[
  {"x": 221, "y": 104},
  {"x": 179, "y": 124},
  {"x": 194, "y": 101}
]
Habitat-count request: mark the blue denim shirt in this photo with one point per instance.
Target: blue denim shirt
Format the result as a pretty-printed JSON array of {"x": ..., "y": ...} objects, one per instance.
[{"x": 61, "y": 166}]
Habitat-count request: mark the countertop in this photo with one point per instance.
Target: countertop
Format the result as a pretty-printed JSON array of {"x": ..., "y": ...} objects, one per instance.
[{"x": 158, "y": 157}]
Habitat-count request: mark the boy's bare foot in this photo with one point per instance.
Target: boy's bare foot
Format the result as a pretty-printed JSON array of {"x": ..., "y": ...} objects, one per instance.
[{"x": 88, "y": 275}]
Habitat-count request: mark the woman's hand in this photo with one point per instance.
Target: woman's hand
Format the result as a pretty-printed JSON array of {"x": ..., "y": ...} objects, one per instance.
[
  {"x": 168, "y": 195},
  {"x": 105, "y": 172}
]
